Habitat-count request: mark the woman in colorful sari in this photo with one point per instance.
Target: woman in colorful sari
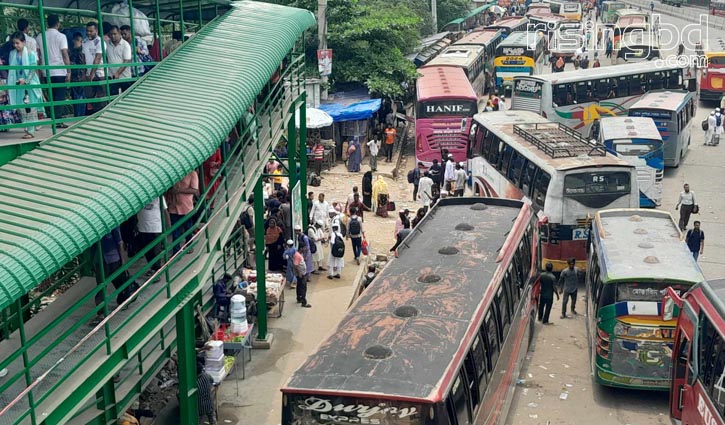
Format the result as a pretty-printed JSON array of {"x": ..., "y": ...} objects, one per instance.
[
  {"x": 380, "y": 197},
  {"x": 354, "y": 156},
  {"x": 22, "y": 56}
]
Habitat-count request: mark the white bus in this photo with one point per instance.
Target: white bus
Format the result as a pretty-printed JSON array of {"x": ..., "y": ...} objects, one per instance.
[
  {"x": 470, "y": 58},
  {"x": 672, "y": 112},
  {"x": 577, "y": 98},
  {"x": 638, "y": 141},
  {"x": 521, "y": 155}
]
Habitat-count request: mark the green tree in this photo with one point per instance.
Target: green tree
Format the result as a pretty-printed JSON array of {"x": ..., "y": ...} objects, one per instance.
[
  {"x": 449, "y": 10},
  {"x": 370, "y": 45}
]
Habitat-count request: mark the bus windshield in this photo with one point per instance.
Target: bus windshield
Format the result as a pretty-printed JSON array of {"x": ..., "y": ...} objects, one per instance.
[
  {"x": 514, "y": 51},
  {"x": 305, "y": 409},
  {"x": 647, "y": 291},
  {"x": 716, "y": 60},
  {"x": 640, "y": 149},
  {"x": 598, "y": 183}
]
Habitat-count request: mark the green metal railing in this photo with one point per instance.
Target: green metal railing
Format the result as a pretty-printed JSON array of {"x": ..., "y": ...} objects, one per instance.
[
  {"x": 162, "y": 29},
  {"x": 43, "y": 363}
]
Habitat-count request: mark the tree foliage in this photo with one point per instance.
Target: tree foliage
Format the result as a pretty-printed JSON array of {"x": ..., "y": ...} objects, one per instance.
[{"x": 371, "y": 38}]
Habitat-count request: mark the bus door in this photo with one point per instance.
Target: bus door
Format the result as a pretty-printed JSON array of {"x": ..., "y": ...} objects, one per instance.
[{"x": 683, "y": 374}]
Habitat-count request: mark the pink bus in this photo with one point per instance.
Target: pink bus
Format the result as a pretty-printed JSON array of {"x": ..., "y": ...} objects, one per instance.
[{"x": 446, "y": 104}]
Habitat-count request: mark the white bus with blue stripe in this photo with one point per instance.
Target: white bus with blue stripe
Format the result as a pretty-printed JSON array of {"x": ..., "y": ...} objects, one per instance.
[
  {"x": 638, "y": 141},
  {"x": 634, "y": 256}
]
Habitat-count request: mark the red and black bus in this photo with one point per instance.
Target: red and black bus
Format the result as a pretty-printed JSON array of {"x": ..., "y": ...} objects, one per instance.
[
  {"x": 697, "y": 393},
  {"x": 440, "y": 335}
]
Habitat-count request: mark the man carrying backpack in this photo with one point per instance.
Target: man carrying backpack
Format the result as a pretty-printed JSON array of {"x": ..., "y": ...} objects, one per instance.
[
  {"x": 718, "y": 127},
  {"x": 336, "y": 260},
  {"x": 356, "y": 234},
  {"x": 414, "y": 178}
]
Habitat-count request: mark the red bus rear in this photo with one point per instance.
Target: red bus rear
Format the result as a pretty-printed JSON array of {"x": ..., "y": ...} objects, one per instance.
[
  {"x": 446, "y": 103},
  {"x": 697, "y": 395},
  {"x": 712, "y": 77}
]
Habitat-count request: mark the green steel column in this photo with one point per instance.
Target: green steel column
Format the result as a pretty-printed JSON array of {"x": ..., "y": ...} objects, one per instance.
[
  {"x": 106, "y": 84},
  {"x": 303, "y": 160},
  {"x": 292, "y": 151},
  {"x": 158, "y": 31},
  {"x": 188, "y": 395},
  {"x": 181, "y": 19},
  {"x": 260, "y": 263},
  {"x": 106, "y": 401},
  {"x": 43, "y": 22}
]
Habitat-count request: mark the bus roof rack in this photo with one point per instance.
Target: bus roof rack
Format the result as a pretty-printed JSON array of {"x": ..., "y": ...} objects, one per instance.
[{"x": 558, "y": 140}]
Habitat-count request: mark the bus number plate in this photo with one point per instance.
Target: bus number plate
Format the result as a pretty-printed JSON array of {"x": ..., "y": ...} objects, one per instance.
[{"x": 580, "y": 234}]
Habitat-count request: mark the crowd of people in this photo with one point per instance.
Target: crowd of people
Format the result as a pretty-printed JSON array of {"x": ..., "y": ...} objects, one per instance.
[{"x": 106, "y": 58}]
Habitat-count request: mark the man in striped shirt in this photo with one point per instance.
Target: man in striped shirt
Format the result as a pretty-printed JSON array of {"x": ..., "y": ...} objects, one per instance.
[{"x": 205, "y": 393}]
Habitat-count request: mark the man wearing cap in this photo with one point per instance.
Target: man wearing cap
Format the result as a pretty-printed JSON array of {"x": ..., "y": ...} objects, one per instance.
[
  {"x": 335, "y": 264},
  {"x": 320, "y": 210},
  {"x": 289, "y": 256},
  {"x": 460, "y": 183},
  {"x": 450, "y": 174},
  {"x": 303, "y": 246},
  {"x": 317, "y": 236},
  {"x": 710, "y": 132}
]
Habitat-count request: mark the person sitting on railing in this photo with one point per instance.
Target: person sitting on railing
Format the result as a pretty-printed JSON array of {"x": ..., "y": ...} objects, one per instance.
[
  {"x": 57, "y": 52},
  {"x": 22, "y": 56},
  {"x": 77, "y": 75},
  {"x": 118, "y": 52}
]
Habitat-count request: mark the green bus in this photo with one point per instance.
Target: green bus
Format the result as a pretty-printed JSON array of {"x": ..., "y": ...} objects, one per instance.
[
  {"x": 609, "y": 11},
  {"x": 635, "y": 255}
]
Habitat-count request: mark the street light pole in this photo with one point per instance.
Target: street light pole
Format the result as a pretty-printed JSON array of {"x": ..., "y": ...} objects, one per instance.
[
  {"x": 434, "y": 13},
  {"x": 322, "y": 35}
]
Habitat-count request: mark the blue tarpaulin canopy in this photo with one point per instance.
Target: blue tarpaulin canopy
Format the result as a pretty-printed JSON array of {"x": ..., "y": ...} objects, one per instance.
[{"x": 353, "y": 112}]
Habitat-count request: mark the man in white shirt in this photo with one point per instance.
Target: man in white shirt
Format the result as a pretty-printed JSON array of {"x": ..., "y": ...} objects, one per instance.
[
  {"x": 30, "y": 42},
  {"x": 425, "y": 190},
  {"x": 685, "y": 204},
  {"x": 57, "y": 51},
  {"x": 460, "y": 182},
  {"x": 320, "y": 210},
  {"x": 149, "y": 228},
  {"x": 118, "y": 51},
  {"x": 449, "y": 176},
  {"x": 93, "y": 48},
  {"x": 373, "y": 148}
]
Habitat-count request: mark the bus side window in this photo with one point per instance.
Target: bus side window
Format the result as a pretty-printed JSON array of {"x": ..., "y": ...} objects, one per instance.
[
  {"x": 673, "y": 80},
  {"x": 603, "y": 88},
  {"x": 478, "y": 141},
  {"x": 718, "y": 389},
  {"x": 503, "y": 166},
  {"x": 486, "y": 144},
  {"x": 635, "y": 85},
  {"x": 655, "y": 80},
  {"x": 516, "y": 281},
  {"x": 476, "y": 372},
  {"x": 504, "y": 304},
  {"x": 541, "y": 186},
  {"x": 608, "y": 295},
  {"x": 623, "y": 87},
  {"x": 526, "y": 254},
  {"x": 457, "y": 403},
  {"x": 582, "y": 92},
  {"x": 560, "y": 92},
  {"x": 491, "y": 331},
  {"x": 516, "y": 168},
  {"x": 496, "y": 147},
  {"x": 528, "y": 178},
  {"x": 710, "y": 347}
]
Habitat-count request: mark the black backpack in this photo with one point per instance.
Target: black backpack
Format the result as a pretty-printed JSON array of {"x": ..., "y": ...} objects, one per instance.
[
  {"x": 718, "y": 120},
  {"x": 246, "y": 219},
  {"x": 355, "y": 227},
  {"x": 338, "y": 247},
  {"x": 411, "y": 176},
  {"x": 313, "y": 245}
]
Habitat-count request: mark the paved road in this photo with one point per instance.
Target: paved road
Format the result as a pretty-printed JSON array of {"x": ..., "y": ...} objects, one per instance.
[{"x": 560, "y": 363}]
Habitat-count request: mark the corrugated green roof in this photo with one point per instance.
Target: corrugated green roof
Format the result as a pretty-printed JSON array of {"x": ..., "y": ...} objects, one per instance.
[{"x": 66, "y": 194}]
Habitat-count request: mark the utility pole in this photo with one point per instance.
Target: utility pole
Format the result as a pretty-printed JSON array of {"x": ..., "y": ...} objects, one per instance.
[
  {"x": 434, "y": 13},
  {"x": 322, "y": 34}
]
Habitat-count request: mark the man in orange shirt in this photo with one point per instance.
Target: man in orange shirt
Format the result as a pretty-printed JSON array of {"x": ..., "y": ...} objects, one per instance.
[
  {"x": 180, "y": 199},
  {"x": 389, "y": 142}
]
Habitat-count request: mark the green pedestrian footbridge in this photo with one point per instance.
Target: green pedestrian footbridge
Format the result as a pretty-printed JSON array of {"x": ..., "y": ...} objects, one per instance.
[{"x": 234, "y": 87}]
